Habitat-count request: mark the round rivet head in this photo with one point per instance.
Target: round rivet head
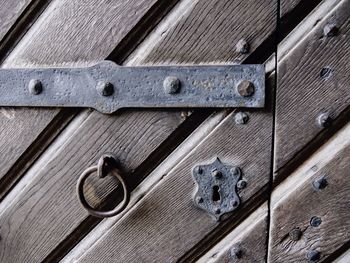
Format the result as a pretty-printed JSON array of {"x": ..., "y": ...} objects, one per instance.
[
  {"x": 235, "y": 171},
  {"x": 241, "y": 118},
  {"x": 35, "y": 86},
  {"x": 236, "y": 252},
  {"x": 198, "y": 170},
  {"x": 245, "y": 88},
  {"x": 320, "y": 183},
  {"x": 105, "y": 88},
  {"x": 324, "y": 120},
  {"x": 315, "y": 221},
  {"x": 199, "y": 200},
  {"x": 171, "y": 85},
  {"x": 217, "y": 211},
  {"x": 313, "y": 256},
  {"x": 216, "y": 174},
  {"x": 241, "y": 184},
  {"x": 330, "y": 30},
  {"x": 242, "y": 46},
  {"x": 295, "y": 234}
]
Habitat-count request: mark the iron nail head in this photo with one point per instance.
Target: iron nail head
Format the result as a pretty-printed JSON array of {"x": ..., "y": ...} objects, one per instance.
[
  {"x": 242, "y": 46},
  {"x": 35, "y": 86},
  {"x": 324, "y": 120},
  {"x": 295, "y": 234},
  {"x": 245, "y": 88},
  {"x": 171, "y": 85},
  {"x": 313, "y": 256},
  {"x": 241, "y": 118},
  {"x": 105, "y": 88}
]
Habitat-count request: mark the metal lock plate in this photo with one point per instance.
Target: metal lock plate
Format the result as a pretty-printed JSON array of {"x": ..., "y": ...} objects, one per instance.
[
  {"x": 216, "y": 187},
  {"x": 108, "y": 87}
]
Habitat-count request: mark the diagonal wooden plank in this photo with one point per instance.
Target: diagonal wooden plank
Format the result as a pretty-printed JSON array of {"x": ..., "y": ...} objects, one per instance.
[
  {"x": 312, "y": 79},
  {"x": 40, "y": 192},
  {"x": 166, "y": 217},
  {"x": 246, "y": 243},
  {"x": 9, "y": 13},
  {"x": 314, "y": 200},
  {"x": 69, "y": 33}
]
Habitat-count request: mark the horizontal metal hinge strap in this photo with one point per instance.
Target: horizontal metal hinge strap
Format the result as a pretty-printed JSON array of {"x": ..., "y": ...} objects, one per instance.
[{"x": 108, "y": 87}]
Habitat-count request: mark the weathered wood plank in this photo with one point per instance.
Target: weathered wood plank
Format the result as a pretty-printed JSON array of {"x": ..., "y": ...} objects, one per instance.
[
  {"x": 132, "y": 136},
  {"x": 312, "y": 79},
  {"x": 166, "y": 217},
  {"x": 68, "y": 33},
  {"x": 322, "y": 214},
  {"x": 344, "y": 258},
  {"x": 10, "y": 11},
  {"x": 208, "y": 31},
  {"x": 65, "y": 167},
  {"x": 246, "y": 243}
]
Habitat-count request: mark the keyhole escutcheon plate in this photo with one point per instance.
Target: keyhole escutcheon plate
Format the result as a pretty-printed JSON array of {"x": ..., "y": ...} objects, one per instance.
[{"x": 216, "y": 187}]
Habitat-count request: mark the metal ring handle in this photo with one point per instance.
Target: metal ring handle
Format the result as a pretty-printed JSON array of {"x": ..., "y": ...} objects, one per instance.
[{"x": 86, "y": 205}]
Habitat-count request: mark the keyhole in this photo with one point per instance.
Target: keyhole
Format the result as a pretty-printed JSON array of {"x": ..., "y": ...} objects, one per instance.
[{"x": 216, "y": 193}]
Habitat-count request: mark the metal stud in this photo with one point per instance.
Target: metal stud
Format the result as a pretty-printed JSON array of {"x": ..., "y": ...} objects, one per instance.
[
  {"x": 35, "y": 86},
  {"x": 320, "y": 183},
  {"x": 105, "y": 88},
  {"x": 236, "y": 252},
  {"x": 199, "y": 200},
  {"x": 313, "y": 256},
  {"x": 241, "y": 118},
  {"x": 241, "y": 184},
  {"x": 330, "y": 30},
  {"x": 324, "y": 120},
  {"x": 242, "y": 46},
  {"x": 315, "y": 221},
  {"x": 246, "y": 88},
  {"x": 171, "y": 85},
  {"x": 295, "y": 234},
  {"x": 216, "y": 174},
  {"x": 217, "y": 211}
]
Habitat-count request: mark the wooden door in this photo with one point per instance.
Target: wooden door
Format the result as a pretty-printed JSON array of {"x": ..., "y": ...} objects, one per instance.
[{"x": 294, "y": 153}]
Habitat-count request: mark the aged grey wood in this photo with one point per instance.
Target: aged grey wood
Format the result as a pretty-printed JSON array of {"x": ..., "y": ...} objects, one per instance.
[
  {"x": 296, "y": 201},
  {"x": 166, "y": 218},
  {"x": 288, "y": 5},
  {"x": 130, "y": 128},
  {"x": 10, "y": 11},
  {"x": 70, "y": 32},
  {"x": 313, "y": 78},
  {"x": 208, "y": 31},
  {"x": 47, "y": 211},
  {"x": 246, "y": 243}
]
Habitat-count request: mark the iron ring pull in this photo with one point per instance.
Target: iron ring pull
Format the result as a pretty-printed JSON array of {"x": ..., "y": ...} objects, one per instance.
[{"x": 106, "y": 161}]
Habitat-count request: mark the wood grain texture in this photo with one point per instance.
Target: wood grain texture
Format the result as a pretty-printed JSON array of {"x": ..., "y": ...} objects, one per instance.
[
  {"x": 131, "y": 135},
  {"x": 296, "y": 201},
  {"x": 10, "y": 11},
  {"x": 48, "y": 209},
  {"x": 70, "y": 32},
  {"x": 166, "y": 219},
  {"x": 208, "y": 31},
  {"x": 246, "y": 243},
  {"x": 288, "y": 5},
  {"x": 312, "y": 79}
]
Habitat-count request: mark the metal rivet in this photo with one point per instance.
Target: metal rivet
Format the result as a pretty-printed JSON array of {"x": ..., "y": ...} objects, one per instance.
[
  {"x": 234, "y": 203},
  {"x": 241, "y": 118},
  {"x": 236, "y": 252},
  {"x": 35, "y": 86},
  {"x": 241, "y": 184},
  {"x": 198, "y": 170},
  {"x": 245, "y": 88},
  {"x": 105, "y": 88},
  {"x": 217, "y": 174},
  {"x": 330, "y": 30},
  {"x": 320, "y": 183},
  {"x": 217, "y": 211},
  {"x": 242, "y": 46},
  {"x": 235, "y": 171},
  {"x": 324, "y": 120},
  {"x": 315, "y": 221},
  {"x": 199, "y": 200},
  {"x": 326, "y": 73},
  {"x": 171, "y": 85},
  {"x": 295, "y": 234},
  {"x": 313, "y": 256}
]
